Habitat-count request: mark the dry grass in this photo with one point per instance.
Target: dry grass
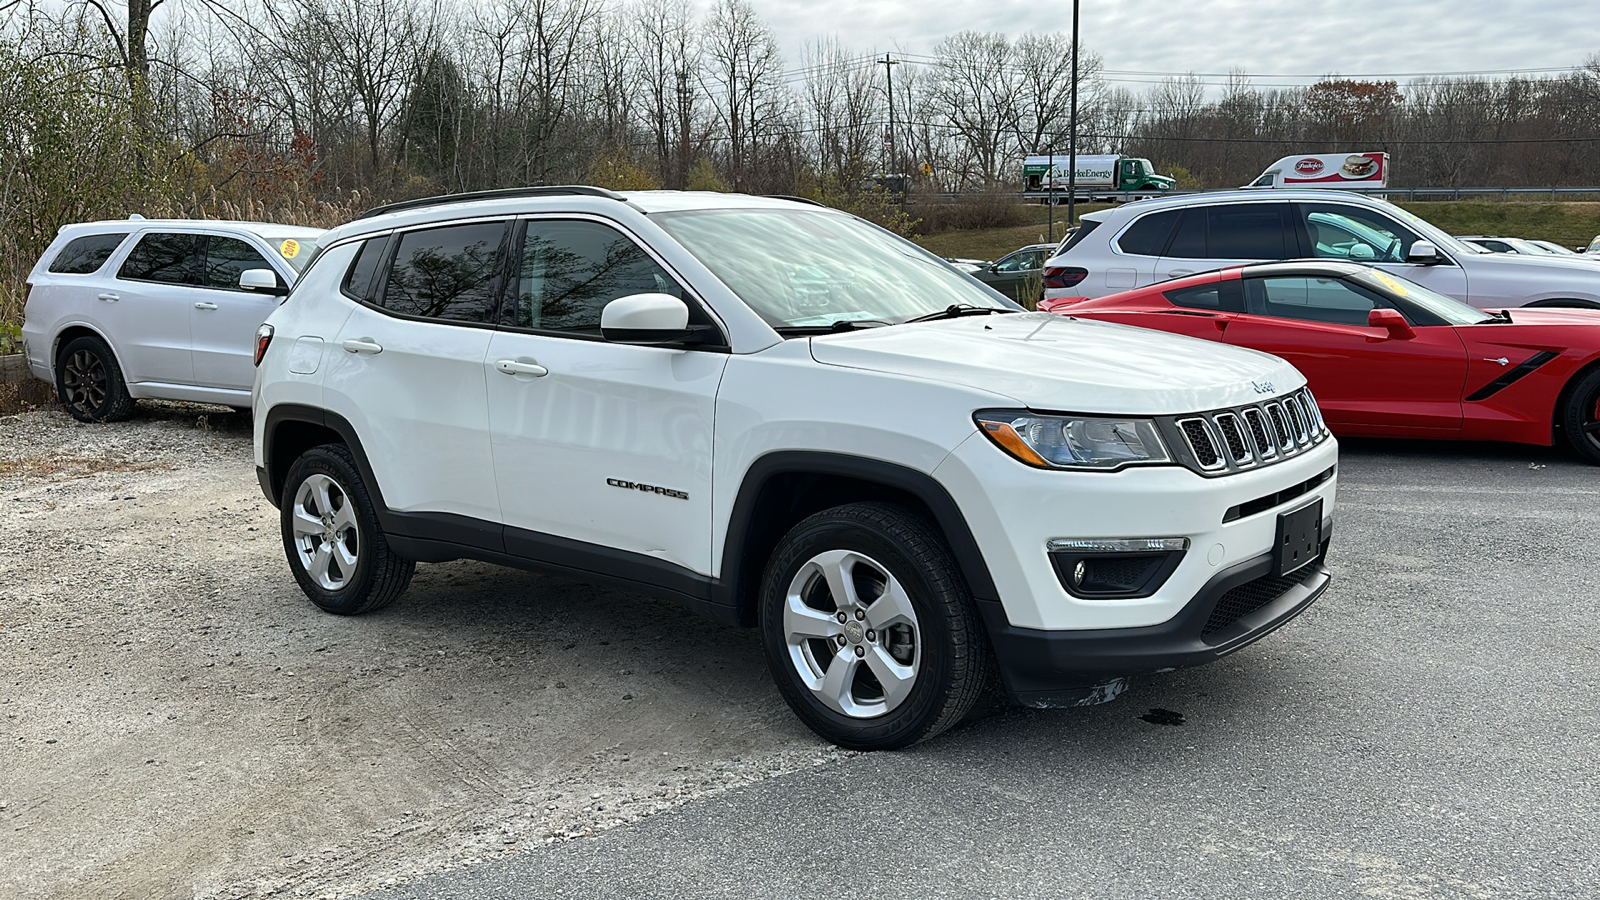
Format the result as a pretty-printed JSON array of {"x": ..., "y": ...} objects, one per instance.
[
  {"x": 25, "y": 394},
  {"x": 66, "y": 467}
]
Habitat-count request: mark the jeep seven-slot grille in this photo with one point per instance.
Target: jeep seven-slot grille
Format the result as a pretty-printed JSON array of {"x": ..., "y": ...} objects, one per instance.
[{"x": 1231, "y": 440}]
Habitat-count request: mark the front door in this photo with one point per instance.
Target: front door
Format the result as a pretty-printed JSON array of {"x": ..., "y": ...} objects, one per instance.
[
  {"x": 598, "y": 445},
  {"x": 1365, "y": 381},
  {"x": 1358, "y": 234},
  {"x": 225, "y": 317}
]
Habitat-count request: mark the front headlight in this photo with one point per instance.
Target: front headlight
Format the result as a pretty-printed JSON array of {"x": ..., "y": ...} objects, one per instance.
[{"x": 1073, "y": 442}]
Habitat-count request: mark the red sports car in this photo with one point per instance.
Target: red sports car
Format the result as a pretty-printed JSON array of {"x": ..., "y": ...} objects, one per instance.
[{"x": 1387, "y": 357}]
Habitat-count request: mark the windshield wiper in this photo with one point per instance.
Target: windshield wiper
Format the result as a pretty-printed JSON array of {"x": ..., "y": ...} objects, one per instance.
[
  {"x": 833, "y": 327},
  {"x": 957, "y": 310}
]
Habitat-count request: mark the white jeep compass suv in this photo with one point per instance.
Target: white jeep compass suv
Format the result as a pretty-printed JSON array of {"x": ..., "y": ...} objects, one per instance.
[{"x": 786, "y": 417}]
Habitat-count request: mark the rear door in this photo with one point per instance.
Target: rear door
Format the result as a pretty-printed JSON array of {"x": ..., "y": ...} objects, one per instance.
[
  {"x": 407, "y": 371},
  {"x": 1364, "y": 380},
  {"x": 146, "y": 308},
  {"x": 1228, "y": 234}
]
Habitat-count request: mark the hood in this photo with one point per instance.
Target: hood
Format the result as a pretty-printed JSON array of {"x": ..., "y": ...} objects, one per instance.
[
  {"x": 1058, "y": 363},
  {"x": 1529, "y": 261}
]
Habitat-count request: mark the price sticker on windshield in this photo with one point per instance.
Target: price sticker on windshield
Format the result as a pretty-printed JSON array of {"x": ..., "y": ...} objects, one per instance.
[{"x": 1390, "y": 282}]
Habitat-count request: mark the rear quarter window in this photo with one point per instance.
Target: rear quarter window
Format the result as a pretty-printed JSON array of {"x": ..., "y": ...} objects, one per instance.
[
  {"x": 1148, "y": 236},
  {"x": 87, "y": 254}
]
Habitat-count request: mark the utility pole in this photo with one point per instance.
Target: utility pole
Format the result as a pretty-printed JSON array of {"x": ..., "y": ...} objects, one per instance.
[
  {"x": 888, "y": 70},
  {"x": 1072, "y": 124}
]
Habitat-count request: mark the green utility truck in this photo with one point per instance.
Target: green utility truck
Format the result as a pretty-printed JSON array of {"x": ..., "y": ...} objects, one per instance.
[{"x": 1101, "y": 176}]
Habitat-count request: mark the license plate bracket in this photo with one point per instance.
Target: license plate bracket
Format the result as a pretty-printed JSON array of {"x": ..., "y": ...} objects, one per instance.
[{"x": 1299, "y": 539}]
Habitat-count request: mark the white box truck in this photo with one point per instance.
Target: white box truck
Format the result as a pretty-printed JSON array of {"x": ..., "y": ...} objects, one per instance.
[{"x": 1327, "y": 170}]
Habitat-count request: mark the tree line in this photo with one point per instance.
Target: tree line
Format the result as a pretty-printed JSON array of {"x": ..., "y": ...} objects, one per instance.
[{"x": 310, "y": 110}]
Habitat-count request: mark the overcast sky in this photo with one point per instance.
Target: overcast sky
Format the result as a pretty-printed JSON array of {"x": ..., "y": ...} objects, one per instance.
[{"x": 1269, "y": 37}]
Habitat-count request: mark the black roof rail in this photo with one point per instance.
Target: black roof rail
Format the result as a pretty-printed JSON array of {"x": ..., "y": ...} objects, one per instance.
[
  {"x": 563, "y": 190},
  {"x": 797, "y": 199}
]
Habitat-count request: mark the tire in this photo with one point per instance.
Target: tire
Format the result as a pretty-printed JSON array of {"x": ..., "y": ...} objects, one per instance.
[
  {"x": 336, "y": 548},
  {"x": 918, "y": 626},
  {"x": 89, "y": 382},
  {"x": 1580, "y": 419}
]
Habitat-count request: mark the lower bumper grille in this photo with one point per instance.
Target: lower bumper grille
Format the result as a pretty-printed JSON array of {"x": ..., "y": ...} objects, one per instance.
[{"x": 1251, "y": 596}]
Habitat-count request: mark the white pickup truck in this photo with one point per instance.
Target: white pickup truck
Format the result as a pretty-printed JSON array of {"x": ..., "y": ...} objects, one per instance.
[{"x": 786, "y": 417}]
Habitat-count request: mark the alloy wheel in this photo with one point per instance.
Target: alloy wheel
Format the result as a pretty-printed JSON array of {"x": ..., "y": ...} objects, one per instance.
[
  {"x": 84, "y": 378},
  {"x": 852, "y": 635},
  {"x": 326, "y": 537}
]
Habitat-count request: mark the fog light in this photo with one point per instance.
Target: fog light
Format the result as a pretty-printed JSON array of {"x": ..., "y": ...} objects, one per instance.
[{"x": 1115, "y": 568}]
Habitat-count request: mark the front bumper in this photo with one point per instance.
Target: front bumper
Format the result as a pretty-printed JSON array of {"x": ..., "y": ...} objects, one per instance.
[{"x": 1237, "y": 607}]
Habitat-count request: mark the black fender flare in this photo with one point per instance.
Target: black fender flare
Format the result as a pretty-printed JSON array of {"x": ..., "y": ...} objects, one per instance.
[
  {"x": 947, "y": 514},
  {"x": 293, "y": 412}
]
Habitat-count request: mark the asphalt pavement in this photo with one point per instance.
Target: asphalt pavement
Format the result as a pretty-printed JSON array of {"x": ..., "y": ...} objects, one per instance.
[{"x": 1427, "y": 729}]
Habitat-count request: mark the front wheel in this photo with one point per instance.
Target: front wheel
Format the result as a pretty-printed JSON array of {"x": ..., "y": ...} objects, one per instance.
[
  {"x": 1580, "y": 420},
  {"x": 331, "y": 535},
  {"x": 869, "y": 628}
]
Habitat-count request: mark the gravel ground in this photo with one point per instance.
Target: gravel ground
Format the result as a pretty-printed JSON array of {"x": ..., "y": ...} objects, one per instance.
[{"x": 177, "y": 720}]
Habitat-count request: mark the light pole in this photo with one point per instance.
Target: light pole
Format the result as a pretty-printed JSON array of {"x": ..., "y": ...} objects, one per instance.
[{"x": 1072, "y": 125}]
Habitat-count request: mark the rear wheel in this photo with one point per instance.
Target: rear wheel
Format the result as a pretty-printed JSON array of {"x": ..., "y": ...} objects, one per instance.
[
  {"x": 89, "y": 382},
  {"x": 869, "y": 628},
  {"x": 1580, "y": 421},
  {"x": 331, "y": 535}
]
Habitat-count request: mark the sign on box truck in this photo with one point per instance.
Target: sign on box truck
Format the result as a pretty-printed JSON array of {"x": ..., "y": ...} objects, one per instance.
[
  {"x": 1330, "y": 170},
  {"x": 1098, "y": 175}
]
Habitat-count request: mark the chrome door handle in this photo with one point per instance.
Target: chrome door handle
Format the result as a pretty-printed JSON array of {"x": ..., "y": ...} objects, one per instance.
[
  {"x": 112, "y": 298},
  {"x": 362, "y": 345},
  {"x": 520, "y": 367},
  {"x": 205, "y": 306}
]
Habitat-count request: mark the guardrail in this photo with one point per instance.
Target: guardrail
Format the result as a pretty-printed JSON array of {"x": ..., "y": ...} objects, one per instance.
[{"x": 1409, "y": 193}]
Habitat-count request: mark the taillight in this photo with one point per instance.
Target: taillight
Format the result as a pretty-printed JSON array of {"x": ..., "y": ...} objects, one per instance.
[
  {"x": 263, "y": 338},
  {"x": 1064, "y": 276}
]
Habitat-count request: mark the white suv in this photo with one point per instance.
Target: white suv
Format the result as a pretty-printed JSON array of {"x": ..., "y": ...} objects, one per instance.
[
  {"x": 1155, "y": 240},
  {"x": 165, "y": 309},
  {"x": 783, "y": 416}
]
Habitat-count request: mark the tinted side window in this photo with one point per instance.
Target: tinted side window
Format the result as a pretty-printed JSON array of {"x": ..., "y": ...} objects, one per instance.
[
  {"x": 1190, "y": 240},
  {"x": 571, "y": 269},
  {"x": 1148, "y": 236},
  {"x": 359, "y": 281},
  {"x": 1076, "y": 238},
  {"x": 447, "y": 273},
  {"x": 1223, "y": 296},
  {"x": 226, "y": 257},
  {"x": 167, "y": 258},
  {"x": 86, "y": 254},
  {"x": 1312, "y": 299},
  {"x": 1250, "y": 231}
]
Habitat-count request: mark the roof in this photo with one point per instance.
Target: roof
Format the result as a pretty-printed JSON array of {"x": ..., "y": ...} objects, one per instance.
[
  {"x": 133, "y": 224},
  {"x": 1181, "y": 201},
  {"x": 578, "y": 198}
]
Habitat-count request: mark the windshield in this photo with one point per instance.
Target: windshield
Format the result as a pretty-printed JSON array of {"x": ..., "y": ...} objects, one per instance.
[
  {"x": 1452, "y": 311},
  {"x": 812, "y": 269},
  {"x": 297, "y": 248},
  {"x": 1429, "y": 231}
]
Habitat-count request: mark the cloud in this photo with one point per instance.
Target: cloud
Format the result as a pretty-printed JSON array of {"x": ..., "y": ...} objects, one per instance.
[{"x": 1264, "y": 37}]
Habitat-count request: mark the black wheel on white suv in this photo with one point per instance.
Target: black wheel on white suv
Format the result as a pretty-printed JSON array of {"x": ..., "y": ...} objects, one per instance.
[
  {"x": 331, "y": 535},
  {"x": 89, "y": 382},
  {"x": 869, "y": 628},
  {"x": 1580, "y": 420}
]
